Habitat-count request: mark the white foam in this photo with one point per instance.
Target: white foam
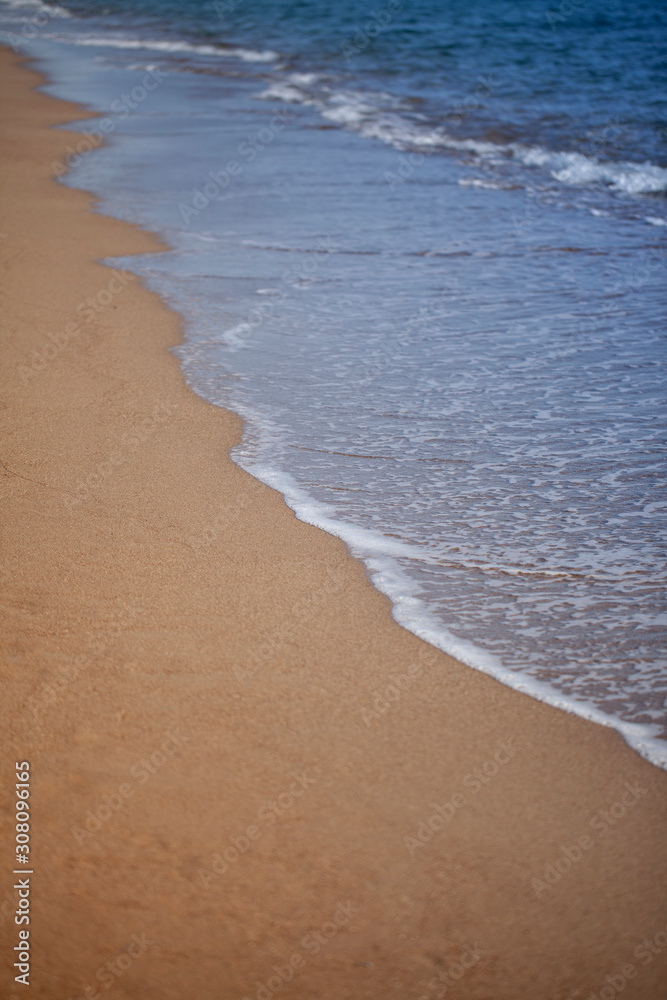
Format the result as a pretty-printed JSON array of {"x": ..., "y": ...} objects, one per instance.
[
  {"x": 37, "y": 7},
  {"x": 477, "y": 182},
  {"x": 376, "y": 115},
  {"x": 632, "y": 178},
  {"x": 161, "y": 45},
  {"x": 285, "y": 92},
  {"x": 654, "y": 220},
  {"x": 431, "y": 581},
  {"x": 380, "y": 554},
  {"x": 573, "y": 169},
  {"x": 236, "y": 337},
  {"x": 305, "y": 79},
  {"x": 250, "y": 55}
]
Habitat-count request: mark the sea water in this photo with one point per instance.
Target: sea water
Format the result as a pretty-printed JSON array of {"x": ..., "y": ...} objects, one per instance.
[{"x": 420, "y": 248}]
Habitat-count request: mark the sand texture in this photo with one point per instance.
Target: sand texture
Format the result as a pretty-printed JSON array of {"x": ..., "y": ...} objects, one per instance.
[{"x": 247, "y": 780}]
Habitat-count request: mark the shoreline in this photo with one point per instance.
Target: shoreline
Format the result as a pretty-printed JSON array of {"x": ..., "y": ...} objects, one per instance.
[
  {"x": 192, "y": 680},
  {"x": 516, "y": 660},
  {"x": 414, "y": 616}
]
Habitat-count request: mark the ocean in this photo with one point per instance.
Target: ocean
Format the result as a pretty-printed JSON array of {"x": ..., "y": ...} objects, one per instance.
[{"x": 420, "y": 247}]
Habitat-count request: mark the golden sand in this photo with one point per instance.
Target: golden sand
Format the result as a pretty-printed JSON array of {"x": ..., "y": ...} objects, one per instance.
[{"x": 246, "y": 780}]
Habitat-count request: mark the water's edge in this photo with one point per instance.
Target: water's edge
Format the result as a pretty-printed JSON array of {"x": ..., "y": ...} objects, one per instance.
[{"x": 380, "y": 555}]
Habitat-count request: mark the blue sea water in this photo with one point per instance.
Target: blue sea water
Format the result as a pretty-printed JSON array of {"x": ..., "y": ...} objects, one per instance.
[{"x": 420, "y": 247}]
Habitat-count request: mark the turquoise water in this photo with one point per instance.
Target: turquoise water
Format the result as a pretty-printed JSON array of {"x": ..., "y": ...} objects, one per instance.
[{"x": 428, "y": 268}]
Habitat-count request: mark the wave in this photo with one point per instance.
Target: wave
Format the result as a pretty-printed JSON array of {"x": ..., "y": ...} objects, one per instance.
[
  {"x": 576, "y": 169},
  {"x": 35, "y": 7},
  {"x": 388, "y": 119},
  {"x": 382, "y": 556},
  {"x": 381, "y": 116},
  {"x": 479, "y": 183},
  {"x": 573, "y": 169},
  {"x": 162, "y": 45}
]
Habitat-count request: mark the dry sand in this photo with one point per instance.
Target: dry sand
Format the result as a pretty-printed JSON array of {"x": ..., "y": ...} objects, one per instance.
[{"x": 160, "y": 605}]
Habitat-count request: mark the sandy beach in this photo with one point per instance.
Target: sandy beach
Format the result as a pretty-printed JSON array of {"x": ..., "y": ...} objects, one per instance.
[{"x": 246, "y": 780}]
